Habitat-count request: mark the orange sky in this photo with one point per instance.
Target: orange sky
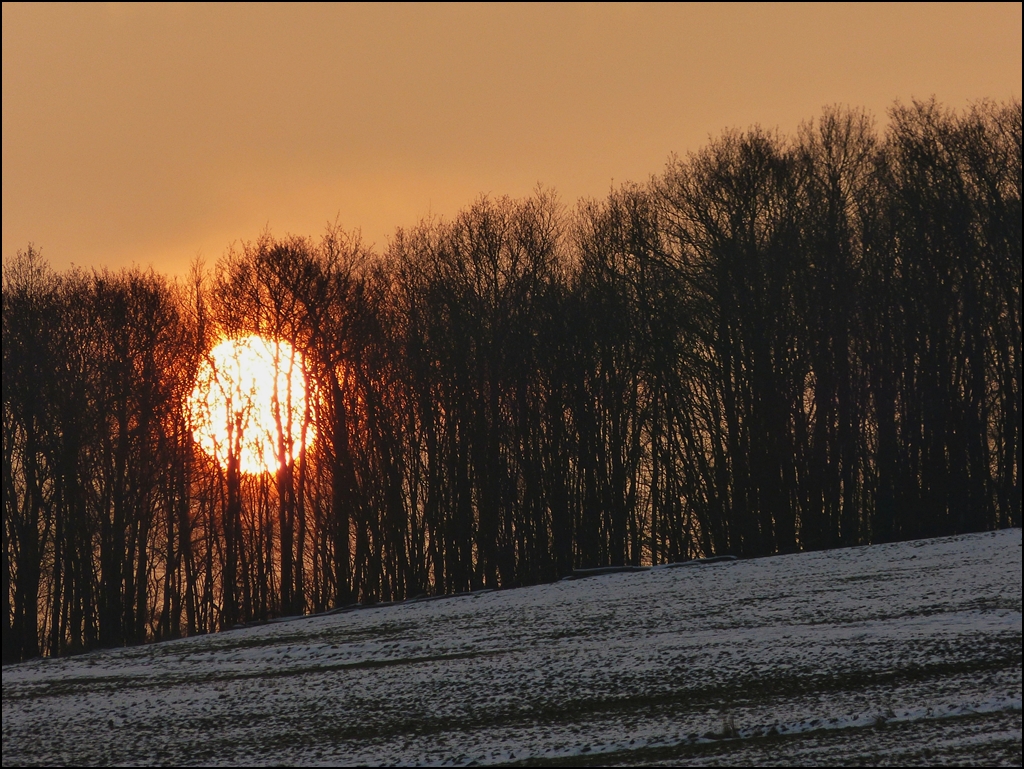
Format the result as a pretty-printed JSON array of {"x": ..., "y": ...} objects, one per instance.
[{"x": 151, "y": 134}]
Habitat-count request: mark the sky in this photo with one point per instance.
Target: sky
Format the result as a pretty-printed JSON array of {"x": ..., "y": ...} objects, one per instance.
[{"x": 149, "y": 135}]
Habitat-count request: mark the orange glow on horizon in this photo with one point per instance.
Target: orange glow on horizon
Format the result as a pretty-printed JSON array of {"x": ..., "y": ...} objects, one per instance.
[
  {"x": 250, "y": 402},
  {"x": 145, "y": 134}
]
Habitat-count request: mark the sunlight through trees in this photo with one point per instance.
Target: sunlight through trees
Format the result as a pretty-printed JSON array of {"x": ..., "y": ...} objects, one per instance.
[{"x": 777, "y": 344}]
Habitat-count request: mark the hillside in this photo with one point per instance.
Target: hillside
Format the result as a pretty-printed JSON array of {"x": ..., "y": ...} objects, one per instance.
[{"x": 900, "y": 653}]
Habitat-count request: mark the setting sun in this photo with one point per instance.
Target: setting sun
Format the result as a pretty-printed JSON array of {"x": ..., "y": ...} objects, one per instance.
[{"x": 249, "y": 401}]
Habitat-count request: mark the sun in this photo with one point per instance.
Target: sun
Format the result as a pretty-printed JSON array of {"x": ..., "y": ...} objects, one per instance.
[{"x": 250, "y": 402}]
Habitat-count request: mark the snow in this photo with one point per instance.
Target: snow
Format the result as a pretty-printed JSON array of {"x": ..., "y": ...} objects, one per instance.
[{"x": 900, "y": 653}]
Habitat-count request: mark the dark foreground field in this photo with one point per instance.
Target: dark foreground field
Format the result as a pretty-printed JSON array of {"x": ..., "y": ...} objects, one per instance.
[{"x": 892, "y": 654}]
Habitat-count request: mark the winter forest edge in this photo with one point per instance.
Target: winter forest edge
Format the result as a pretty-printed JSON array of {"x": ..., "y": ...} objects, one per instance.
[{"x": 777, "y": 344}]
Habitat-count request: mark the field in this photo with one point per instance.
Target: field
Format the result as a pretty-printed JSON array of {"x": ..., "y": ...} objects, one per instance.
[{"x": 890, "y": 654}]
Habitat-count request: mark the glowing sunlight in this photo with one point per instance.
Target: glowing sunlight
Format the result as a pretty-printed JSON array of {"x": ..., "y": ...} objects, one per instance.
[{"x": 249, "y": 403}]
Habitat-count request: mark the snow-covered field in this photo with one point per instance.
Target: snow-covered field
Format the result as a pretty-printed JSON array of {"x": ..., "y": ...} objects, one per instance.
[{"x": 891, "y": 654}]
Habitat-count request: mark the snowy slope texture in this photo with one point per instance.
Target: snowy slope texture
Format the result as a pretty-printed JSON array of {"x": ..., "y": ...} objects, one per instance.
[{"x": 889, "y": 654}]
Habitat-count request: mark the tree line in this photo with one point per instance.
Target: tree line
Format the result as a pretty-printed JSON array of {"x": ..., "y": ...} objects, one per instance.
[{"x": 777, "y": 344}]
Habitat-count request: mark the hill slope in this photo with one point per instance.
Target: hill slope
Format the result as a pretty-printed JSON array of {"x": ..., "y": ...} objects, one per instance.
[{"x": 908, "y": 652}]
